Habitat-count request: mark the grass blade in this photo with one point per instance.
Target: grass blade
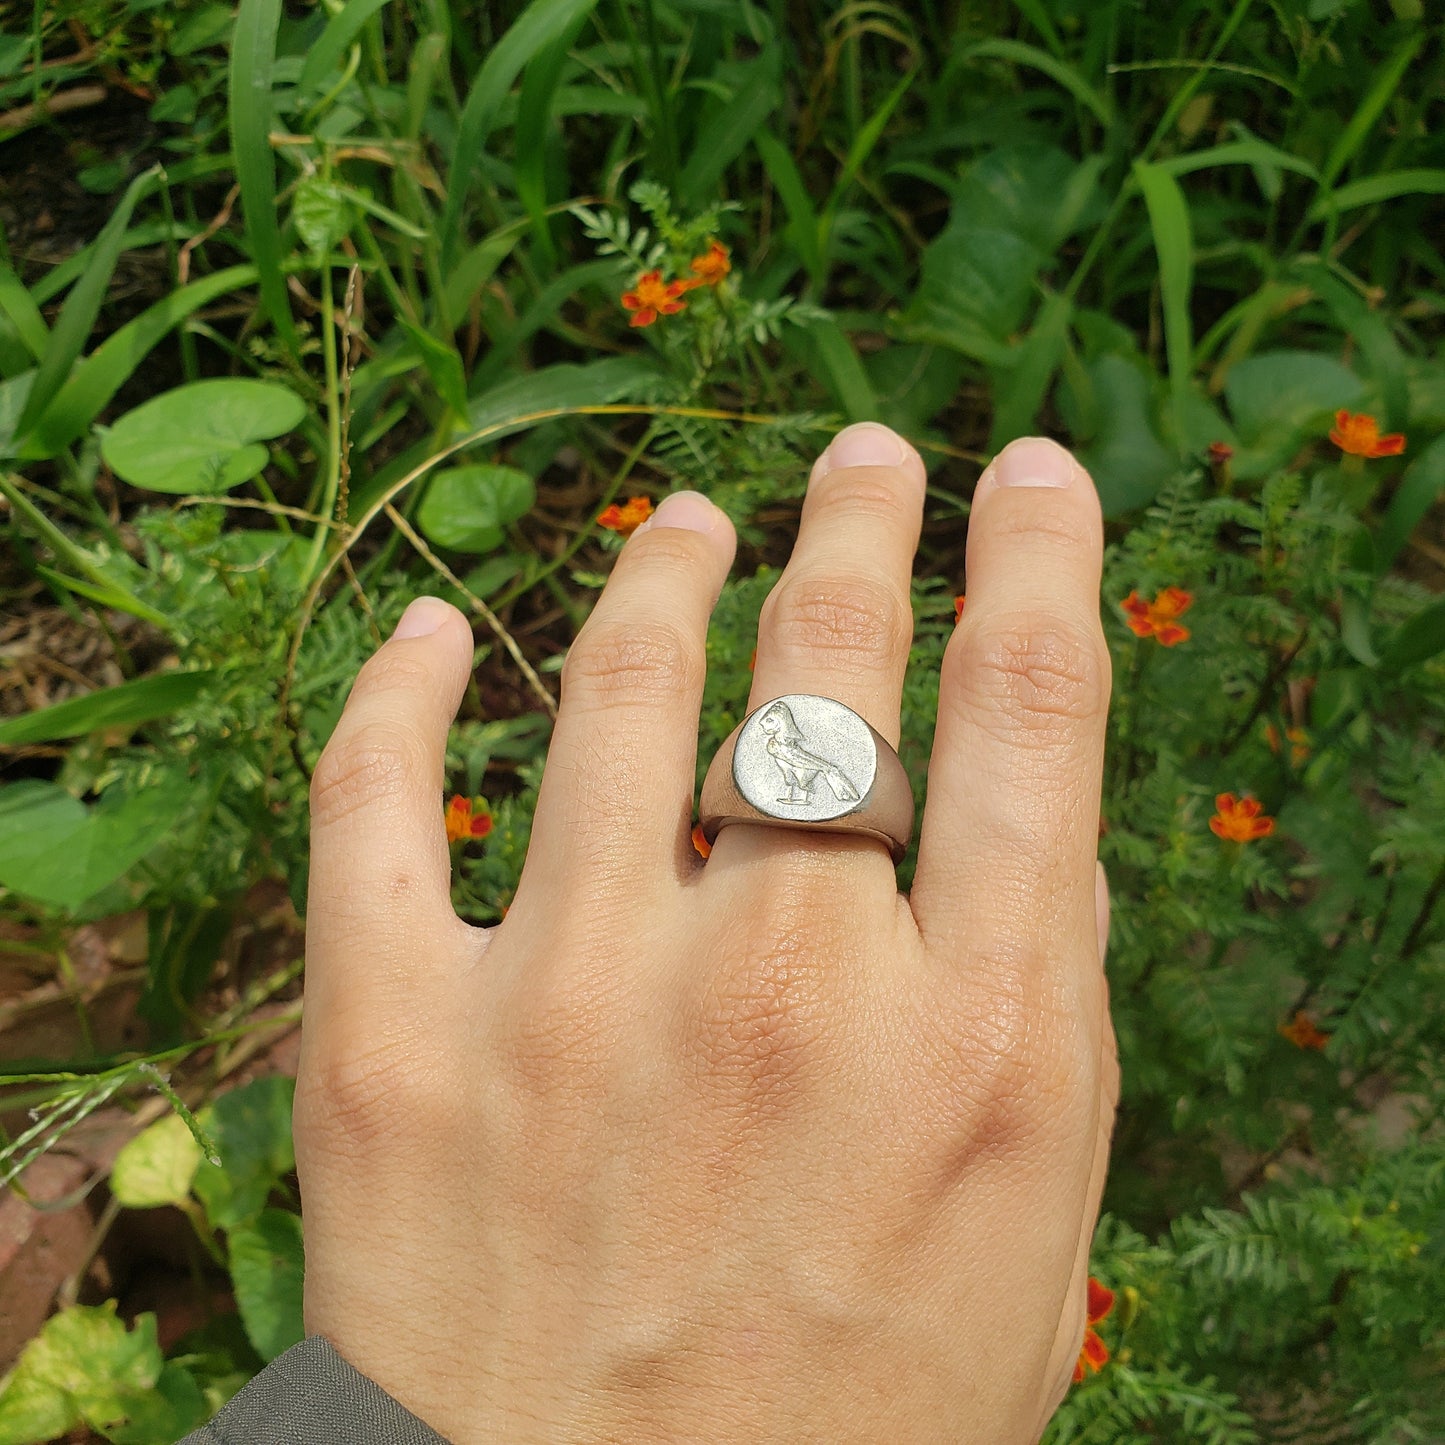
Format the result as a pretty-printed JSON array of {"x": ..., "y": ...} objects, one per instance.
[
  {"x": 24, "y": 315},
  {"x": 804, "y": 229},
  {"x": 1371, "y": 190},
  {"x": 1174, "y": 241},
  {"x": 1021, "y": 54},
  {"x": 82, "y": 306},
  {"x": 341, "y": 30},
  {"x": 723, "y": 137},
  {"x": 537, "y": 27},
  {"x": 127, "y": 705},
  {"x": 1370, "y": 109},
  {"x": 1423, "y": 484},
  {"x": 253, "y": 58}
]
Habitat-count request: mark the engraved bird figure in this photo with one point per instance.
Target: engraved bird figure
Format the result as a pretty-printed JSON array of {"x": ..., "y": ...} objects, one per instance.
[{"x": 800, "y": 768}]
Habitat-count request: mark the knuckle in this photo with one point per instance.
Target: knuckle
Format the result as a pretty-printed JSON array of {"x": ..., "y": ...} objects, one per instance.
[
  {"x": 758, "y": 1036},
  {"x": 367, "y": 1103},
  {"x": 857, "y": 618},
  {"x": 866, "y": 493},
  {"x": 364, "y": 764},
  {"x": 631, "y": 662},
  {"x": 1031, "y": 672}
]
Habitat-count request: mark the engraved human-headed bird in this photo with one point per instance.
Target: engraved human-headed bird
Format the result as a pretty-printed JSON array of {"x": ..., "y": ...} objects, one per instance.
[{"x": 800, "y": 768}]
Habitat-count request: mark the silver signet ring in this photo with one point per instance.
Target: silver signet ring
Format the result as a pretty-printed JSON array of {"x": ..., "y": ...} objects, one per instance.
[{"x": 809, "y": 762}]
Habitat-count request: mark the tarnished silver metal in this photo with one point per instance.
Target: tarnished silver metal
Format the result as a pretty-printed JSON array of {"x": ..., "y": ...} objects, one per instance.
[{"x": 803, "y": 761}]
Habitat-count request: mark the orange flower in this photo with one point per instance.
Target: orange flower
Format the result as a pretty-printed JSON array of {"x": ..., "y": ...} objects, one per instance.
[
  {"x": 699, "y": 842},
  {"x": 1219, "y": 453},
  {"x": 753, "y": 660},
  {"x": 1095, "y": 1352},
  {"x": 654, "y": 297},
  {"x": 462, "y": 823},
  {"x": 1157, "y": 618},
  {"x": 1298, "y": 739},
  {"x": 626, "y": 519},
  {"x": 1359, "y": 435},
  {"x": 958, "y": 606},
  {"x": 711, "y": 268},
  {"x": 1303, "y": 1034},
  {"x": 1239, "y": 819}
]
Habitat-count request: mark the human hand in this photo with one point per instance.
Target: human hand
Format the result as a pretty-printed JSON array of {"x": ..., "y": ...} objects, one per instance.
[{"x": 755, "y": 1149}]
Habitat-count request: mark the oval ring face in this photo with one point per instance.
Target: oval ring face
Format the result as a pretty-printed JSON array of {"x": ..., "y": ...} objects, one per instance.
[{"x": 806, "y": 759}]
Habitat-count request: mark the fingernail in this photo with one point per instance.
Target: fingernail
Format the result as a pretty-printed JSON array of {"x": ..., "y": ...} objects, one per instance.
[
  {"x": 422, "y": 618},
  {"x": 865, "y": 444},
  {"x": 691, "y": 511},
  {"x": 1033, "y": 462}
]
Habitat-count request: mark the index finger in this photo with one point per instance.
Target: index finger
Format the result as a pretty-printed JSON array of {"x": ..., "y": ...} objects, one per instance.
[{"x": 1010, "y": 830}]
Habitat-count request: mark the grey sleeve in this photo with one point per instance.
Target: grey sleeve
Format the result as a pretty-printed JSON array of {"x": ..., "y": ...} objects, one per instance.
[{"x": 311, "y": 1396}]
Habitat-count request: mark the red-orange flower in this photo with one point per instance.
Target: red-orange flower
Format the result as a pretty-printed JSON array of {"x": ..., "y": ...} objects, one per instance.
[
  {"x": 699, "y": 842},
  {"x": 1359, "y": 435},
  {"x": 653, "y": 297},
  {"x": 627, "y": 518},
  {"x": 1219, "y": 453},
  {"x": 1095, "y": 1352},
  {"x": 1302, "y": 1032},
  {"x": 1298, "y": 739},
  {"x": 712, "y": 267},
  {"x": 1239, "y": 819},
  {"x": 958, "y": 606},
  {"x": 1158, "y": 618},
  {"x": 753, "y": 660},
  {"x": 463, "y": 823}
]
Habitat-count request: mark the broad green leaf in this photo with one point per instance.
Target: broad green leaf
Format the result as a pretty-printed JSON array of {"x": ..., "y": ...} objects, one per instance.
[
  {"x": 82, "y": 306},
  {"x": 266, "y": 1270},
  {"x": 83, "y": 1368},
  {"x": 321, "y": 212},
  {"x": 1124, "y": 454},
  {"x": 466, "y": 508},
  {"x": 976, "y": 284},
  {"x": 1420, "y": 488},
  {"x": 1019, "y": 390},
  {"x": 101, "y": 374},
  {"x": 555, "y": 388},
  {"x": 341, "y": 30},
  {"x": 441, "y": 362},
  {"x": 1275, "y": 395},
  {"x": 252, "y": 1129},
  {"x": 157, "y": 1166},
  {"x": 55, "y": 849},
  {"x": 253, "y": 60},
  {"x": 1174, "y": 244},
  {"x": 203, "y": 437},
  {"x": 1037, "y": 191},
  {"x": 124, "y": 706},
  {"x": 1417, "y": 640}
]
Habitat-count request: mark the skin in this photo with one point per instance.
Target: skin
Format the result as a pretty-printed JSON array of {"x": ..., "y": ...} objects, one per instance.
[{"x": 756, "y": 1149}]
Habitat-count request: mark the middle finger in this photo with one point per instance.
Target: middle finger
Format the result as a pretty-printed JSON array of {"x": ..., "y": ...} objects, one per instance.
[{"x": 839, "y": 622}]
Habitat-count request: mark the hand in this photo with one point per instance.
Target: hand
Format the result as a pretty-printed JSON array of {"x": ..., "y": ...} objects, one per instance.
[{"x": 755, "y": 1149}]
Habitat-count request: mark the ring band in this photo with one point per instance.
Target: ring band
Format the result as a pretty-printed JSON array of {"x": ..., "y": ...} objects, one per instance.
[{"x": 808, "y": 762}]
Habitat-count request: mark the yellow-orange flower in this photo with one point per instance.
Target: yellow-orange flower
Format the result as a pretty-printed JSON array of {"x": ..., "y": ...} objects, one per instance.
[
  {"x": 1095, "y": 1353},
  {"x": 1159, "y": 618},
  {"x": 1302, "y": 1032},
  {"x": 653, "y": 297},
  {"x": 1239, "y": 819},
  {"x": 958, "y": 605},
  {"x": 1359, "y": 435},
  {"x": 462, "y": 823},
  {"x": 627, "y": 518},
  {"x": 699, "y": 842},
  {"x": 712, "y": 267}
]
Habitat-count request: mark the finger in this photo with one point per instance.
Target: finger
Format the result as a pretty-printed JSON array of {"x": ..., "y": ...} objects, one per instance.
[
  {"x": 839, "y": 622},
  {"x": 1010, "y": 833},
  {"x": 380, "y": 868},
  {"x": 616, "y": 796}
]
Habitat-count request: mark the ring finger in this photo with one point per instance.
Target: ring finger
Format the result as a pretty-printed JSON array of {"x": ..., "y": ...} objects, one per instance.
[{"x": 839, "y": 622}]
